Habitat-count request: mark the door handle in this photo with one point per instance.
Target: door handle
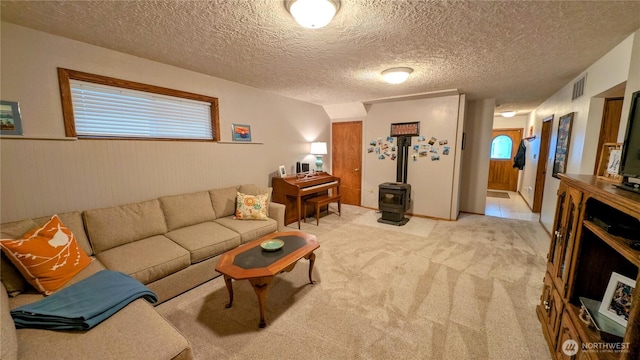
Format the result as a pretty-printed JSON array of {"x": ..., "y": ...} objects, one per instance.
[{"x": 356, "y": 169}]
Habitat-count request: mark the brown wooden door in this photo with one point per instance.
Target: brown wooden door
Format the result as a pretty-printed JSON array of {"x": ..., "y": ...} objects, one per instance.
[
  {"x": 609, "y": 127},
  {"x": 502, "y": 174},
  {"x": 346, "y": 159},
  {"x": 541, "y": 172}
]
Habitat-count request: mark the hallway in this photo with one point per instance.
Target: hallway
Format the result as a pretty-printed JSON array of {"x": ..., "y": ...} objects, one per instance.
[{"x": 512, "y": 208}]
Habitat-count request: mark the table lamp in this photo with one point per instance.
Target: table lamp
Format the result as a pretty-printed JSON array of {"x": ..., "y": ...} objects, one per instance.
[{"x": 318, "y": 149}]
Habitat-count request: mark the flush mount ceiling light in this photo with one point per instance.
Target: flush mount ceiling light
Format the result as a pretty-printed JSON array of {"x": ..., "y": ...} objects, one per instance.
[
  {"x": 508, "y": 113},
  {"x": 313, "y": 14},
  {"x": 396, "y": 75}
]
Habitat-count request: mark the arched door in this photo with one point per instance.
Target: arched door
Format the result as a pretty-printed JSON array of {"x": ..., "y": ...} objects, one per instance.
[{"x": 502, "y": 174}]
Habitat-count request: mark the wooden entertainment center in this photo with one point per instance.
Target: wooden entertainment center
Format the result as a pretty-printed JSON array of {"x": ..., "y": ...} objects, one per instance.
[{"x": 582, "y": 256}]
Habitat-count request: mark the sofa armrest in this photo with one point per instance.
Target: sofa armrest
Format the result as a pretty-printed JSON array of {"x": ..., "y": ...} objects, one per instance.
[
  {"x": 276, "y": 212},
  {"x": 9, "y": 344}
]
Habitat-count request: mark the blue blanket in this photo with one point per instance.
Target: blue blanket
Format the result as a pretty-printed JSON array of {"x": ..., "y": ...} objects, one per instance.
[{"x": 84, "y": 304}]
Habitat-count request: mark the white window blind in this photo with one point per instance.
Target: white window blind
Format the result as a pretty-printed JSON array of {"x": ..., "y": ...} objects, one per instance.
[{"x": 108, "y": 111}]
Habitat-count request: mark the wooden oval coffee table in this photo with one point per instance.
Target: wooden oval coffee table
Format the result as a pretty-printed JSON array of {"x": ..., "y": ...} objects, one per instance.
[{"x": 251, "y": 262}]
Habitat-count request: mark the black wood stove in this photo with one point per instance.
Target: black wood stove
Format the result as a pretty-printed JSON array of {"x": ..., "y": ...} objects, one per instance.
[{"x": 394, "y": 198}]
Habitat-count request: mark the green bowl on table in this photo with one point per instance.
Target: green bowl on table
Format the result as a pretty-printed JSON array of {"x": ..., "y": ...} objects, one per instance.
[{"x": 272, "y": 245}]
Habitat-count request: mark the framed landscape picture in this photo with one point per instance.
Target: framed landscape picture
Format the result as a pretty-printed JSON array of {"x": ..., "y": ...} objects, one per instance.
[
  {"x": 10, "y": 121},
  {"x": 562, "y": 145},
  {"x": 616, "y": 302},
  {"x": 241, "y": 132}
]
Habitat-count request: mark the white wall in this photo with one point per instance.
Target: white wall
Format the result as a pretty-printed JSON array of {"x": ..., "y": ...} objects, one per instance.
[
  {"x": 610, "y": 70},
  {"x": 41, "y": 177},
  {"x": 516, "y": 122},
  {"x": 431, "y": 180},
  {"x": 478, "y": 125}
]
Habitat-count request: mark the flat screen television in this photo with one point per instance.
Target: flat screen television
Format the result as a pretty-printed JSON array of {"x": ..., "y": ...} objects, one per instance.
[{"x": 630, "y": 159}]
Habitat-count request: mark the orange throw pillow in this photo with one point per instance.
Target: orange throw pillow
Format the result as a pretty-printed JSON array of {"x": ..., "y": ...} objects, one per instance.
[{"x": 47, "y": 256}]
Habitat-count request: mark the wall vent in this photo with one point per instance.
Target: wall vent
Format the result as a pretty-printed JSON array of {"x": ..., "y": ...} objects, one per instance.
[{"x": 578, "y": 87}]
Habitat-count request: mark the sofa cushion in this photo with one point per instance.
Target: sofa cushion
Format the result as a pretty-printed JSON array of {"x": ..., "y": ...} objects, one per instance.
[
  {"x": 11, "y": 278},
  {"x": 251, "y": 207},
  {"x": 205, "y": 240},
  {"x": 146, "y": 260},
  {"x": 137, "y": 331},
  {"x": 48, "y": 256},
  {"x": 224, "y": 201},
  {"x": 32, "y": 296},
  {"x": 8, "y": 337},
  {"x": 111, "y": 227},
  {"x": 249, "y": 229},
  {"x": 251, "y": 189},
  {"x": 188, "y": 209}
]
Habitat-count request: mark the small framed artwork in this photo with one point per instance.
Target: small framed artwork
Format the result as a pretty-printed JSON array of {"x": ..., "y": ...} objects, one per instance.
[
  {"x": 10, "y": 121},
  {"x": 609, "y": 164},
  {"x": 616, "y": 303},
  {"x": 405, "y": 129},
  {"x": 562, "y": 145},
  {"x": 241, "y": 132},
  {"x": 282, "y": 171}
]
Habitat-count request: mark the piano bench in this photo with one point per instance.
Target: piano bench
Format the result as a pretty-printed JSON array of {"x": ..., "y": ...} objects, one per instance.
[{"x": 319, "y": 201}]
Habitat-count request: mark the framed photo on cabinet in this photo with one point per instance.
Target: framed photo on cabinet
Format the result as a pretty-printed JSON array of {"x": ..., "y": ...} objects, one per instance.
[
  {"x": 616, "y": 302},
  {"x": 282, "y": 171}
]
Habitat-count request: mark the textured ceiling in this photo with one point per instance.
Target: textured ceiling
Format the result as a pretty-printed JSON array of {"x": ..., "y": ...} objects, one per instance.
[{"x": 518, "y": 52}]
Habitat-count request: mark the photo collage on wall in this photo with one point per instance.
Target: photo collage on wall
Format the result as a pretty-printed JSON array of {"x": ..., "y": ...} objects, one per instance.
[{"x": 431, "y": 148}]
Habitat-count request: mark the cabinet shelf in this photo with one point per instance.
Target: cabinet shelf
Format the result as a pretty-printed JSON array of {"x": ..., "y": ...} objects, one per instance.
[
  {"x": 587, "y": 334},
  {"x": 618, "y": 243}
]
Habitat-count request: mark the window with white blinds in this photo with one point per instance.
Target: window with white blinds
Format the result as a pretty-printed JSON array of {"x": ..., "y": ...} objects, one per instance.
[{"x": 131, "y": 110}]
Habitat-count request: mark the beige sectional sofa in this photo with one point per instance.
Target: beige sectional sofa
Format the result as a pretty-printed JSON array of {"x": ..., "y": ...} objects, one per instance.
[{"x": 170, "y": 244}]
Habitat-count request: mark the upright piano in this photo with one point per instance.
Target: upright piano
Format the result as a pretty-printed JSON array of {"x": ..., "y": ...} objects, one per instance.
[{"x": 293, "y": 190}]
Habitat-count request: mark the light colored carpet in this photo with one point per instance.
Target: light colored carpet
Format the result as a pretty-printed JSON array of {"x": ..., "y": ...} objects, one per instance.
[{"x": 431, "y": 290}]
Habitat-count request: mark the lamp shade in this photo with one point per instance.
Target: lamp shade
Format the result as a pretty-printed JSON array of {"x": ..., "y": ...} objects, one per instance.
[
  {"x": 318, "y": 148},
  {"x": 396, "y": 75},
  {"x": 313, "y": 14},
  {"x": 508, "y": 114}
]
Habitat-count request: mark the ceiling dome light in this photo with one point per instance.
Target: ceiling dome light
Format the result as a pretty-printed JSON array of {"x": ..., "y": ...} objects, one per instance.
[
  {"x": 508, "y": 113},
  {"x": 313, "y": 14},
  {"x": 396, "y": 75}
]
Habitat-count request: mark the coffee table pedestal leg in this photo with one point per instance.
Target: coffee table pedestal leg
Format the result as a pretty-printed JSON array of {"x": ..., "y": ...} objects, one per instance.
[
  {"x": 227, "y": 281},
  {"x": 312, "y": 259},
  {"x": 260, "y": 286}
]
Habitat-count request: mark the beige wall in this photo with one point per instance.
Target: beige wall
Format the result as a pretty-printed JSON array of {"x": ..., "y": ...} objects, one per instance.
[
  {"x": 516, "y": 122},
  {"x": 435, "y": 184},
  {"x": 41, "y": 177},
  {"x": 608, "y": 72},
  {"x": 439, "y": 188},
  {"x": 475, "y": 157},
  {"x": 431, "y": 181}
]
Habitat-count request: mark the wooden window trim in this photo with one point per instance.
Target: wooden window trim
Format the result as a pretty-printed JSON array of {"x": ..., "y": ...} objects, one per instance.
[{"x": 65, "y": 75}]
